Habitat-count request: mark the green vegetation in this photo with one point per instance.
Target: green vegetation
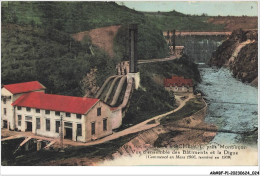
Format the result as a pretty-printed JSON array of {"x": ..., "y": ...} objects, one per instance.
[
  {"x": 36, "y": 45},
  {"x": 190, "y": 107},
  {"x": 175, "y": 20},
  {"x": 151, "y": 98},
  {"x": 150, "y": 44},
  {"x": 70, "y": 17},
  {"x": 181, "y": 67},
  {"x": 52, "y": 58},
  {"x": 75, "y": 17}
]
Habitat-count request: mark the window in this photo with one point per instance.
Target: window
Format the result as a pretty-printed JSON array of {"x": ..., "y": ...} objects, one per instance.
[
  {"x": 5, "y": 111},
  {"x": 78, "y": 116},
  {"x": 47, "y": 111},
  {"x": 57, "y": 113},
  {"x": 4, "y": 100},
  {"x": 19, "y": 108},
  {"x": 104, "y": 124},
  {"x": 38, "y": 123},
  {"x": 68, "y": 124},
  {"x": 67, "y": 114},
  {"x": 79, "y": 130},
  {"x": 48, "y": 125},
  {"x": 38, "y": 110},
  {"x": 93, "y": 130},
  {"x": 19, "y": 120},
  {"x": 98, "y": 111},
  {"x": 28, "y": 109},
  {"x": 28, "y": 118},
  {"x": 57, "y": 129}
]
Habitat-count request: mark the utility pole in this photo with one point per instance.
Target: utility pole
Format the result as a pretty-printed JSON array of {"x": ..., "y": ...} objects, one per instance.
[
  {"x": 61, "y": 133},
  {"x": 173, "y": 41}
]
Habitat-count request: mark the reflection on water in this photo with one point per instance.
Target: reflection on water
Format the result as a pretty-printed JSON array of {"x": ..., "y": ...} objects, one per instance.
[{"x": 232, "y": 106}]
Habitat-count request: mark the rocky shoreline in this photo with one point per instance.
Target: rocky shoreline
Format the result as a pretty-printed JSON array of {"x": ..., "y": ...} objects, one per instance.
[
  {"x": 240, "y": 54},
  {"x": 191, "y": 130}
]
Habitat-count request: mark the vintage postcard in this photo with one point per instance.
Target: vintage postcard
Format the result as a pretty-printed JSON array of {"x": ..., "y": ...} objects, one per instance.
[{"x": 130, "y": 83}]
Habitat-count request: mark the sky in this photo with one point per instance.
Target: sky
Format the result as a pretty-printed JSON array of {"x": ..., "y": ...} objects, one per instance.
[{"x": 214, "y": 8}]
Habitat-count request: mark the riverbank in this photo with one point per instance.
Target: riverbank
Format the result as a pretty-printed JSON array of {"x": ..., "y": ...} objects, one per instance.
[
  {"x": 181, "y": 130},
  {"x": 240, "y": 54}
]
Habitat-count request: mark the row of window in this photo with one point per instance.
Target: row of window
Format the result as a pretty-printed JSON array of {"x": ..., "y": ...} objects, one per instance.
[
  {"x": 48, "y": 124},
  {"x": 66, "y": 124},
  {"x": 57, "y": 113}
]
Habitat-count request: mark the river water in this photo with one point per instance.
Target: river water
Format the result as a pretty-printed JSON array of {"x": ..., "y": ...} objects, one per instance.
[{"x": 222, "y": 93}]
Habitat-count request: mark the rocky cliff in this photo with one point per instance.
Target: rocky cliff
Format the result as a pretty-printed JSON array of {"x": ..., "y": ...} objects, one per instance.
[{"x": 239, "y": 53}]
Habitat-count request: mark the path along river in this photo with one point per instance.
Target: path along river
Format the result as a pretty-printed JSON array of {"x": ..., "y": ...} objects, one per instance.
[{"x": 232, "y": 106}]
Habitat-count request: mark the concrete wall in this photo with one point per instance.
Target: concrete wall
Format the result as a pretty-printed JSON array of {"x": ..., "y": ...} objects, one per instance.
[
  {"x": 136, "y": 77},
  {"x": 116, "y": 118}
]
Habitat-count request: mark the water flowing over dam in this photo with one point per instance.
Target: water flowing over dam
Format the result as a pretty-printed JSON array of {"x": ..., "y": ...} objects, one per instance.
[
  {"x": 232, "y": 105},
  {"x": 199, "y": 48}
]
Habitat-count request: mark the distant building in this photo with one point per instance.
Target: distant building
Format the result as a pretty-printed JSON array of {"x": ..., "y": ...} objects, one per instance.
[
  {"x": 26, "y": 107},
  {"x": 177, "y": 51},
  {"x": 178, "y": 84}
]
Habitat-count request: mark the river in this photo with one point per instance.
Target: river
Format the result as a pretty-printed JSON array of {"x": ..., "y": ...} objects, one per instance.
[{"x": 222, "y": 92}]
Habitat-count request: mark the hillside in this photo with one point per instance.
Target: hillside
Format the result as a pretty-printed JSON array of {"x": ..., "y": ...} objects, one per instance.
[
  {"x": 233, "y": 23},
  {"x": 152, "y": 88},
  {"x": 52, "y": 57},
  {"x": 101, "y": 37},
  {"x": 240, "y": 54},
  {"x": 169, "y": 21},
  {"x": 70, "y": 17},
  {"x": 183, "y": 22},
  {"x": 38, "y": 45}
]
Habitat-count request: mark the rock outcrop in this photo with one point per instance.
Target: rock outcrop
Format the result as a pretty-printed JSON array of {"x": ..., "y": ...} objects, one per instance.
[
  {"x": 89, "y": 84},
  {"x": 240, "y": 53}
]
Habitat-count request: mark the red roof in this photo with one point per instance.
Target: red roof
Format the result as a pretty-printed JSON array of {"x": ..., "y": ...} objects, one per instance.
[
  {"x": 178, "y": 81},
  {"x": 24, "y": 87},
  {"x": 40, "y": 100}
]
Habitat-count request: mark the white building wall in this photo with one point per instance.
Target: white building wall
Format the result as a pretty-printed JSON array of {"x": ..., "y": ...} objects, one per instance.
[
  {"x": 182, "y": 89},
  {"x": 85, "y": 122},
  {"x": 53, "y": 118},
  {"x": 116, "y": 118},
  {"x": 91, "y": 116},
  {"x": 9, "y": 109}
]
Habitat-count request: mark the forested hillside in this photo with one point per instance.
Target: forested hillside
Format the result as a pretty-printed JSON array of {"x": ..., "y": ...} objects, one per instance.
[
  {"x": 37, "y": 43},
  {"x": 182, "y": 22},
  {"x": 52, "y": 57},
  {"x": 70, "y": 17}
]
